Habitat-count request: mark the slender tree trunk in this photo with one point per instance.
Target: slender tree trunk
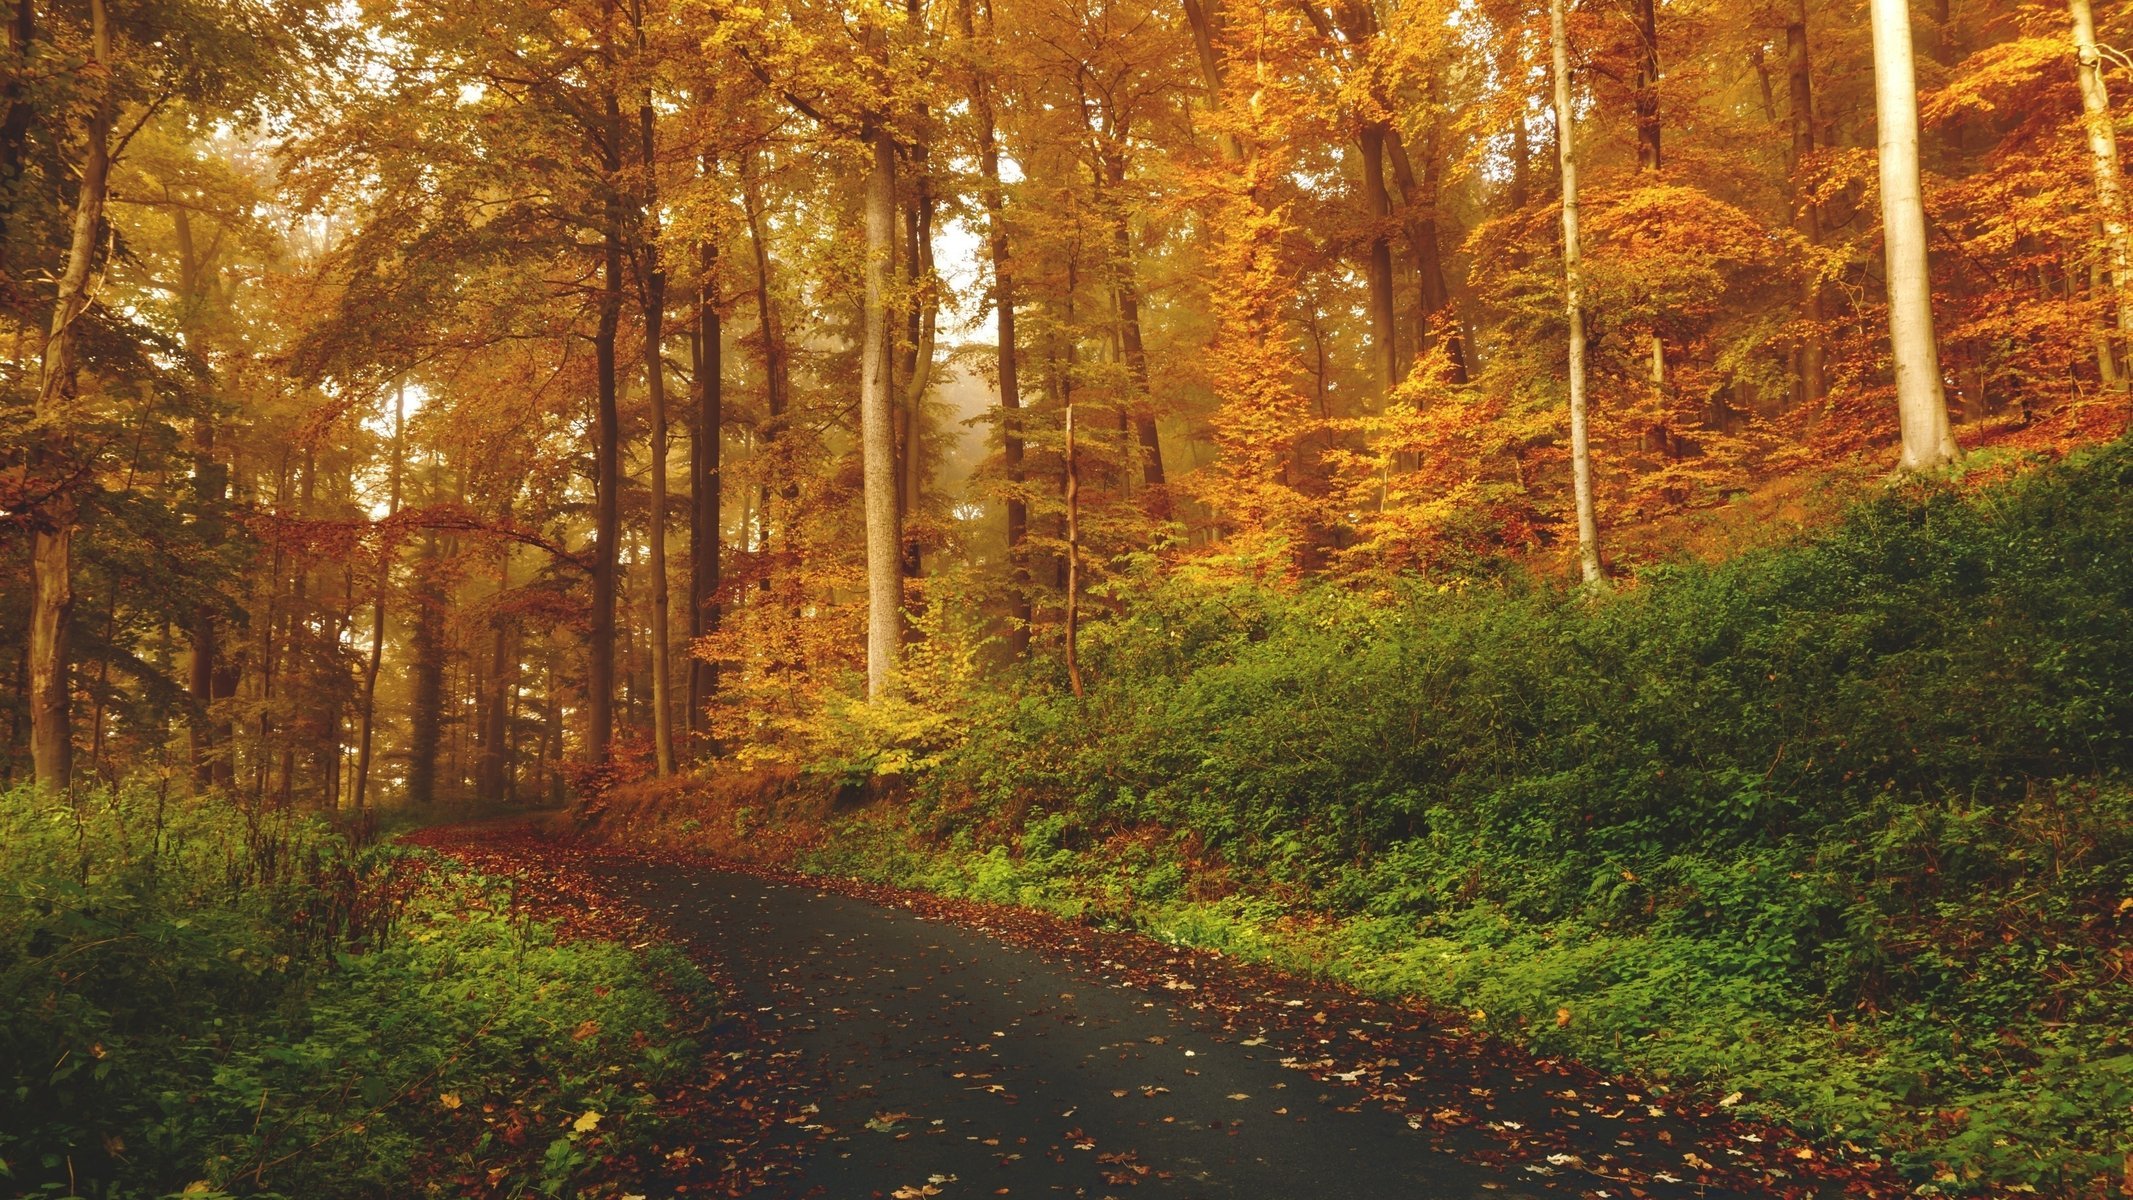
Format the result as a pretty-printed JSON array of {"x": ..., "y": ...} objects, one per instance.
[
  {"x": 425, "y": 722},
  {"x": 492, "y": 763},
  {"x": 2110, "y": 191},
  {"x": 1648, "y": 160},
  {"x": 15, "y": 111},
  {"x": 1574, "y": 304},
  {"x": 706, "y": 481},
  {"x": 1922, "y": 408},
  {"x": 367, "y": 717},
  {"x": 1647, "y": 86},
  {"x": 1126, "y": 298},
  {"x": 607, "y": 455},
  {"x": 655, "y": 379},
  {"x": 1377, "y": 206},
  {"x": 1420, "y": 195},
  {"x": 1006, "y": 357},
  {"x": 52, "y": 539},
  {"x": 877, "y": 433},
  {"x": 771, "y": 332},
  {"x": 1205, "y": 19},
  {"x": 1073, "y": 534},
  {"x": 923, "y": 322},
  {"x": 1813, "y": 353}
]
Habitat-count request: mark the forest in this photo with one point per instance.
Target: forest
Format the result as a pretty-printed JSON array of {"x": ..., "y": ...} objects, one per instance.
[{"x": 1556, "y": 575}]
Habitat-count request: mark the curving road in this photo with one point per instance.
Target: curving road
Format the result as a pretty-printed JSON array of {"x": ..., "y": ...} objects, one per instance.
[{"x": 940, "y": 1059}]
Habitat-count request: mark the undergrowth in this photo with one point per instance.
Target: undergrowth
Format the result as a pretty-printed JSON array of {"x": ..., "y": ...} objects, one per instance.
[
  {"x": 1844, "y": 825},
  {"x": 203, "y": 998}
]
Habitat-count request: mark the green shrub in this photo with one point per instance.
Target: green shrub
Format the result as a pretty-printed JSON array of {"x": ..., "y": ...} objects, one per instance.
[
  {"x": 1843, "y": 824},
  {"x": 197, "y": 994}
]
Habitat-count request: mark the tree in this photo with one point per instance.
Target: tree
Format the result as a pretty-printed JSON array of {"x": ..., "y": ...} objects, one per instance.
[
  {"x": 877, "y": 430},
  {"x": 1922, "y": 409},
  {"x": 1574, "y": 302},
  {"x": 2110, "y": 198}
]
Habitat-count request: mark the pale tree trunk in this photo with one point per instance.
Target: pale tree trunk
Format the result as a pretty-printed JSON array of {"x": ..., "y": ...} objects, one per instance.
[
  {"x": 1073, "y": 538},
  {"x": 1574, "y": 305},
  {"x": 655, "y": 380},
  {"x": 52, "y": 542},
  {"x": 877, "y": 430},
  {"x": 367, "y": 718},
  {"x": 2110, "y": 196},
  {"x": 1812, "y": 354},
  {"x": 1008, "y": 364},
  {"x": 1922, "y": 408}
]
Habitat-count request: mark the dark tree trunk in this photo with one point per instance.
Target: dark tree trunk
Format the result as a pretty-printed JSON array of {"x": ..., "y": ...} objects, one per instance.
[{"x": 706, "y": 481}]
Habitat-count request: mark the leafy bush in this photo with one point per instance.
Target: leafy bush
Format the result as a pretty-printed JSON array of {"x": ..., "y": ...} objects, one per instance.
[
  {"x": 206, "y": 998},
  {"x": 1843, "y": 824}
]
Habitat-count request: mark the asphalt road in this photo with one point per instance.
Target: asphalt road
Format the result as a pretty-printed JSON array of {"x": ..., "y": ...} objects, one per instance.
[{"x": 944, "y": 1058}]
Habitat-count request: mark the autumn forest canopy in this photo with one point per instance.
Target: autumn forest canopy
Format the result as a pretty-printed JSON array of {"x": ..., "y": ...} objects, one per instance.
[{"x": 1609, "y": 517}]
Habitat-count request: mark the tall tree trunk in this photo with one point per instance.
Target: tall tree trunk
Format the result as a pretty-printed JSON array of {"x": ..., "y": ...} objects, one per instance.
[
  {"x": 1006, "y": 359},
  {"x": 425, "y": 720},
  {"x": 1377, "y": 207},
  {"x": 1574, "y": 303},
  {"x": 607, "y": 454},
  {"x": 706, "y": 481},
  {"x": 493, "y": 764},
  {"x": 770, "y": 331},
  {"x": 655, "y": 380},
  {"x": 367, "y": 717},
  {"x": 1073, "y": 530},
  {"x": 1205, "y": 19},
  {"x": 1648, "y": 160},
  {"x": 1647, "y": 86},
  {"x": 2110, "y": 191},
  {"x": 1126, "y": 299},
  {"x": 1813, "y": 354},
  {"x": 877, "y": 432},
  {"x": 52, "y": 541},
  {"x": 1420, "y": 196},
  {"x": 923, "y": 325},
  {"x": 1922, "y": 408}
]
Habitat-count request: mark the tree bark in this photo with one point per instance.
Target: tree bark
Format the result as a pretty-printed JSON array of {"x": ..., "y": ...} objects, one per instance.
[
  {"x": 1813, "y": 371},
  {"x": 771, "y": 332},
  {"x": 877, "y": 432},
  {"x": 1006, "y": 356},
  {"x": 655, "y": 380},
  {"x": 1420, "y": 196},
  {"x": 2110, "y": 191},
  {"x": 367, "y": 718},
  {"x": 425, "y": 721},
  {"x": 1647, "y": 86},
  {"x": 706, "y": 481},
  {"x": 1377, "y": 209},
  {"x": 1922, "y": 408},
  {"x": 607, "y": 454},
  {"x": 1574, "y": 304},
  {"x": 52, "y": 540},
  {"x": 923, "y": 324}
]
